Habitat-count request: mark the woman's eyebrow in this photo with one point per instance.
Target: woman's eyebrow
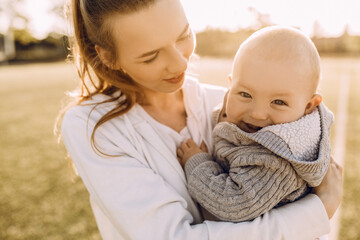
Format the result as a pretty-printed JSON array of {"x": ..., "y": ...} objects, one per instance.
[
  {"x": 148, "y": 53},
  {"x": 154, "y": 51}
]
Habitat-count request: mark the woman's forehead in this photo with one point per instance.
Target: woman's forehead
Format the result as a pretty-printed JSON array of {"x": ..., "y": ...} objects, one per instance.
[{"x": 150, "y": 28}]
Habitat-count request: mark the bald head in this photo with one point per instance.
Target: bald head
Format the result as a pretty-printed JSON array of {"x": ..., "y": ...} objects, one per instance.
[{"x": 283, "y": 44}]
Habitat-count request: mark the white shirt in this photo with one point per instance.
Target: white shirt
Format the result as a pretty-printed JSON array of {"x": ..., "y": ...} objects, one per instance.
[
  {"x": 142, "y": 193},
  {"x": 171, "y": 138}
]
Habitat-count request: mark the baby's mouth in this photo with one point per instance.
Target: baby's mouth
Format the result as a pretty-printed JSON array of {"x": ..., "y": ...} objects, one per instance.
[{"x": 247, "y": 127}]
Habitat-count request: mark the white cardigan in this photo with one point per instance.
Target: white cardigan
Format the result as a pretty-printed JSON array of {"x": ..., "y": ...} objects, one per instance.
[{"x": 143, "y": 194}]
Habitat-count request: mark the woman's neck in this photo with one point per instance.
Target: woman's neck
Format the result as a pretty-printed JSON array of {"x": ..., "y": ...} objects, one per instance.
[
  {"x": 166, "y": 108},
  {"x": 163, "y": 101}
]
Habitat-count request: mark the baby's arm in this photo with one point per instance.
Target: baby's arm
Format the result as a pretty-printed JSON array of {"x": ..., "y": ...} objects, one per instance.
[
  {"x": 247, "y": 190},
  {"x": 188, "y": 149}
]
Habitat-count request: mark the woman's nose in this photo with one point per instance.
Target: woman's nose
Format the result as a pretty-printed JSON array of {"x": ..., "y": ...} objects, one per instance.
[{"x": 177, "y": 61}]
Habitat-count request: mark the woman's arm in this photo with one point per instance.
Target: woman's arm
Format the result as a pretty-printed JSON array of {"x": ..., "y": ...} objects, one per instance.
[
  {"x": 139, "y": 204},
  {"x": 303, "y": 219},
  {"x": 330, "y": 189}
]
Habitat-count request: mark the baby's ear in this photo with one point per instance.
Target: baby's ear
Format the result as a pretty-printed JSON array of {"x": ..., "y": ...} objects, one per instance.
[
  {"x": 230, "y": 79},
  {"x": 313, "y": 103}
]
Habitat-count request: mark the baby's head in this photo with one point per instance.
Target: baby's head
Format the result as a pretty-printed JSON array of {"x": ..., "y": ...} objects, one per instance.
[{"x": 274, "y": 79}]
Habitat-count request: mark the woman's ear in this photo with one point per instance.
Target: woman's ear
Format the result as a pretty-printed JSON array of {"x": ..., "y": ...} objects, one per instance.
[
  {"x": 313, "y": 103},
  {"x": 105, "y": 57}
]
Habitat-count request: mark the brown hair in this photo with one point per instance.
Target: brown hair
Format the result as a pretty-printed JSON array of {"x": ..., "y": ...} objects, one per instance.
[{"x": 87, "y": 20}]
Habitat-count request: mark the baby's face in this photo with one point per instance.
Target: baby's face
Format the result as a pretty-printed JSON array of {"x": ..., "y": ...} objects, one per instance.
[{"x": 266, "y": 92}]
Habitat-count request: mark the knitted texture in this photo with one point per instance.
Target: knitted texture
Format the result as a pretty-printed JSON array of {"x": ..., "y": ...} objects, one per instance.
[
  {"x": 255, "y": 172},
  {"x": 302, "y": 137}
]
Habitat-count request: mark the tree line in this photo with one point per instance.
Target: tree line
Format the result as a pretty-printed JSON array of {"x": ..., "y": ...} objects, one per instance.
[{"x": 220, "y": 43}]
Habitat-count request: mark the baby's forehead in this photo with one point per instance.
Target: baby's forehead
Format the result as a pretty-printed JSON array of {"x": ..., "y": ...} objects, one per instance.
[{"x": 279, "y": 43}]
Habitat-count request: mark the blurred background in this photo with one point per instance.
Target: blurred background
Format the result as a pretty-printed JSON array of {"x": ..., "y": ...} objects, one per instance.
[{"x": 40, "y": 197}]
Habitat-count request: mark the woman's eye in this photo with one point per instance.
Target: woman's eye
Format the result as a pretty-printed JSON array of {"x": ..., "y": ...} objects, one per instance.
[
  {"x": 187, "y": 36},
  {"x": 280, "y": 102},
  {"x": 151, "y": 59},
  {"x": 245, "y": 95}
]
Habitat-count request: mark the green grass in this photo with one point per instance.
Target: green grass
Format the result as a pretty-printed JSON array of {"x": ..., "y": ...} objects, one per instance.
[
  {"x": 350, "y": 223},
  {"x": 39, "y": 198}
]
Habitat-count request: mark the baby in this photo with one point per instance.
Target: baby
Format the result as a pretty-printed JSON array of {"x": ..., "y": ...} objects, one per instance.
[{"x": 272, "y": 138}]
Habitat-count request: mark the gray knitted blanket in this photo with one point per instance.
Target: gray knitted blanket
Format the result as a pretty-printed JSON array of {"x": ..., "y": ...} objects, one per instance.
[{"x": 255, "y": 172}]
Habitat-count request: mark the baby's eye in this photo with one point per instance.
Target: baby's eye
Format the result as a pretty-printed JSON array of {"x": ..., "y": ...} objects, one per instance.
[
  {"x": 245, "y": 95},
  {"x": 280, "y": 102}
]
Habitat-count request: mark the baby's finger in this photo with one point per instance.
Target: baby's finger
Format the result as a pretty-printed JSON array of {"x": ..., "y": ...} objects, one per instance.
[
  {"x": 180, "y": 152},
  {"x": 183, "y": 146},
  {"x": 190, "y": 142},
  {"x": 203, "y": 146}
]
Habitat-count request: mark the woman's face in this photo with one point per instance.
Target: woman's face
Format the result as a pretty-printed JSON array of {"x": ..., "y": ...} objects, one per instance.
[{"x": 154, "y": 45}]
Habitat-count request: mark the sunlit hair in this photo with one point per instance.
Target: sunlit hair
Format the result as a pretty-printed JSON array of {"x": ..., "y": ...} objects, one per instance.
[{"x": 88, "y": 28}]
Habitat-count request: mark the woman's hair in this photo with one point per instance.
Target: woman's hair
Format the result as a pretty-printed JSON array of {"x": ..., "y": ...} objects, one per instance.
[{"x": 88, "y": 27}]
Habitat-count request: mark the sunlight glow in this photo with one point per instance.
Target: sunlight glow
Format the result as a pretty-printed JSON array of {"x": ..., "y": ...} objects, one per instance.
[
  {"x": 42, "y": 20},
  {"x": 331, "y": 15}
]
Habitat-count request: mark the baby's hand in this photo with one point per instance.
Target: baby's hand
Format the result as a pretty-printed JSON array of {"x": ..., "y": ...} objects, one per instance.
[{"x": 188, "y": 149}]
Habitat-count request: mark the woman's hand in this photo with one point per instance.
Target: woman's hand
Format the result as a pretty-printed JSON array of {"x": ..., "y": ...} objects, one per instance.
[
  {"x": 188, "y": 149},
  {"x": 330, "y": 189}
]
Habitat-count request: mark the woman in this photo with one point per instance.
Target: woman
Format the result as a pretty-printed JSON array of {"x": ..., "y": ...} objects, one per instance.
[{"x": 123, "y": 134}]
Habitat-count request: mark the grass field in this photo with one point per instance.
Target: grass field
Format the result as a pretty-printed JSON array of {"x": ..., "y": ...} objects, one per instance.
[{"x": 39, "y": 197}]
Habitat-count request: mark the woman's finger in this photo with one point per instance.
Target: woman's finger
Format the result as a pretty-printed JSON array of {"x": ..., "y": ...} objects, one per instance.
[
  {"x": 330, "y": 189},
  {"x": 336, "y": 164}
]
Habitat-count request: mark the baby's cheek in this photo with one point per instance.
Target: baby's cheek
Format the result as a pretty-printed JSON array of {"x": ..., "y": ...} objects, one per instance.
[
  {"x": 232, "y": 117},
  {"x": 222, "y": 116}
]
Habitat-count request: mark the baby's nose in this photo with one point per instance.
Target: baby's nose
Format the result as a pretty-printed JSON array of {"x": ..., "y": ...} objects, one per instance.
[{"x": 259, "y": 113}]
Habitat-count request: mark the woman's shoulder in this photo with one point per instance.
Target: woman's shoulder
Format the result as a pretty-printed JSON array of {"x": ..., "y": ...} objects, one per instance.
[
  {"x": 88, "y": 113},
  {"x": 91, "y": 108},
  {"x": 192, "y": 82},
  {"x": 206, "y": 91},
  {"x": 202, "y": 98}
]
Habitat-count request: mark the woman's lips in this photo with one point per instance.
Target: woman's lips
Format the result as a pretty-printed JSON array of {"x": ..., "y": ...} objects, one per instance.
[{"x": 177, "y": 79}]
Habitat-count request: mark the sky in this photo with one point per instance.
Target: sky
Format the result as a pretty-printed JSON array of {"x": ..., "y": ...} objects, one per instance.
[{"x": 331, "y": 15}]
